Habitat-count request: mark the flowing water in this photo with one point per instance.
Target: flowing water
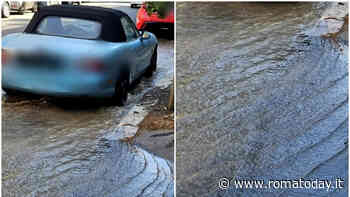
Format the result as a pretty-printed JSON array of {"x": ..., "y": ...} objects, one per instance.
[
  {"x": 54, "y": 149},
  {"x": 259, "y": 95}
]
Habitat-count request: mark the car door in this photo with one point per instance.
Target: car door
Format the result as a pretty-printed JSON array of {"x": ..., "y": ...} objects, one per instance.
[
  {"x": 146, "y": 48},
  {"x": 135, "y": 46}
]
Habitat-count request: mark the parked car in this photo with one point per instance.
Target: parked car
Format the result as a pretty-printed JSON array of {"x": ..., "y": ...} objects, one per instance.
[
  {"x": 18, "y": 6},
  {"x": 47, "y": 3},
  {"x": 136, "y": 4},
  {"x": 154, "y": 21},
  {"x": 74, "y": 51},
  {"x": 71, "y": 2},
  {"x": 22, "y": 6}
]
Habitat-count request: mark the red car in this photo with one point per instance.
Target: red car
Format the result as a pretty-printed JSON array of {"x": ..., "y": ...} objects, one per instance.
[{"x": 153, "y": 21}]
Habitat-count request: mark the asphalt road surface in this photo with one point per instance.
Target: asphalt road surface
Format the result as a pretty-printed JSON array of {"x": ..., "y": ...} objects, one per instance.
[
  {"x": 260, "y": 96},
  {"x": 59, "y": 149}
]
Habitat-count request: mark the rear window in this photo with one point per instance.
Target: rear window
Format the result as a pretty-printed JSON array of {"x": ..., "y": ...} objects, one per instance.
[{"x": 69, "y": 27}]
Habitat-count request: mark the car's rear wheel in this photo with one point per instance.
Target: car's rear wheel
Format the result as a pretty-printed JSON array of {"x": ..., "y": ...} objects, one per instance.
[
  {"x": 120, "y": 96},
  {"x": 6, "y": 10},
  {"x": 10, "y": 91},
  {"x": 171, "y": 33},
  {"x": 153, "y": 66}
]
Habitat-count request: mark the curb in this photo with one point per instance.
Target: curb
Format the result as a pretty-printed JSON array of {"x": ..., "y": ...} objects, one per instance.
[{"x": 128, "y": 126}]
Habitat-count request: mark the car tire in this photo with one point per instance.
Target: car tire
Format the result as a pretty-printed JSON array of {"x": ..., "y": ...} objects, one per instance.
[
  {"x": 171, "y": 33},
  {"x": 153, "y": 65},
  {"x": 10, "y": 91},
  {"x": 120, "y": 96},
  {"x": 6, "y": 12}
]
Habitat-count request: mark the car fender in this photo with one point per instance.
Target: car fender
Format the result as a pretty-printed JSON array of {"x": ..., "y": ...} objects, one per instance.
[
  {"x": 153, "y": 42},
  {"x": 118, "y": 63}
]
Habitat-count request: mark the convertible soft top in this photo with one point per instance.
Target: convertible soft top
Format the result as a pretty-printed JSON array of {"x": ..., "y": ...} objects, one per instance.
[{"x": 112, "y": 29}]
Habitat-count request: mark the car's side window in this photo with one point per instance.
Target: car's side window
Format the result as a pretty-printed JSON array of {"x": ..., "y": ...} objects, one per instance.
[
  {"x": 132, "y": 24},
  {"x": 129, "y": 29}
]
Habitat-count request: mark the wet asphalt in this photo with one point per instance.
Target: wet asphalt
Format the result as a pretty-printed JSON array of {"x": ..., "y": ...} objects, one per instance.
[{"x": 260, "y": 95}]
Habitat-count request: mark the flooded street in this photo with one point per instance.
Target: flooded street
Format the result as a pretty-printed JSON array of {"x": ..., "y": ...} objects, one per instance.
[
  {"x": 260, "y": 95},
  {"x": 52, "y": 148}
]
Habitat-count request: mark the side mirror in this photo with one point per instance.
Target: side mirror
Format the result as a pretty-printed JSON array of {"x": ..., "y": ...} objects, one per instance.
[
  {"x": 144, "y": 35},
  {"x": 141, "y": 32}
]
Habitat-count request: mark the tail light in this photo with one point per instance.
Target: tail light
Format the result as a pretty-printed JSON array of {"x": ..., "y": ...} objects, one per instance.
[
  {"x": 5, "y": 56},
  {"x": 92, "y": 65}
]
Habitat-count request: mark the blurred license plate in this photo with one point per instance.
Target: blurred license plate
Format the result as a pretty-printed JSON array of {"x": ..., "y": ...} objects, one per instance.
[{"x": 37, "y": 60}]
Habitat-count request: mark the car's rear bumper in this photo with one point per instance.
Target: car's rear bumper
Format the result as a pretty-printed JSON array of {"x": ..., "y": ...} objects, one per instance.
[
  {"x": 158, "y": 25},
  {"x": 155, "y": 25},
  {"x": 62, "y": 93},
  {"x": 54, "y": 84}
]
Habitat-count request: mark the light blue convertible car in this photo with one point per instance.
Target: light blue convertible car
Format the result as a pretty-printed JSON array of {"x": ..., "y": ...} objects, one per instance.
[{"x": 78, "y": 51}]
